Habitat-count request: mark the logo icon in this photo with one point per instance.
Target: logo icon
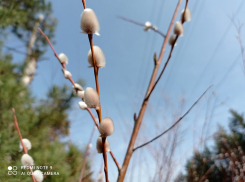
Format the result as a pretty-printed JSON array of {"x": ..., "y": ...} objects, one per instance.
[{"x": 12, "y": 170}]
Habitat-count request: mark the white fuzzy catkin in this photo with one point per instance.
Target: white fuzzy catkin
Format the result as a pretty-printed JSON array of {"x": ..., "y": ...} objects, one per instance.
[
  {"x": 77, "y": 88},
  {"x": 99, "y": 57},
  {"x": 63, "y": 58},
  {"x": 101, "y": 177},
  {"x": 66, "y": 73},
  {"x": 106, "y": 127},
  {"x": 147, "y": 26},
  {"x": 26, "y": 160},
  {"x": 187, "y": 16},
  {"x": 178, "y": 28},
  {"x": 171, "y": 40},
  {"x": 26, "y": 143},
  {"x": 38, "y": 175},
  {"x": 89, "y": 22},
  {"x": 82, "y": 105},
  {"x": 40, "y": 17},
  {"x": 91, "y": 98},
  {"x": 80, "y": 94},
  {"x": 90, "y": 145},
  {"x": 99, "y": 145}
]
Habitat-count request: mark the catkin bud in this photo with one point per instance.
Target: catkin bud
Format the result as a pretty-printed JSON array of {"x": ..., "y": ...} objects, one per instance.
[
  {"x": 171, "y": 40},
  {"x": 66, "y": 73},
  {"x": 26, "y": 160},
  {"x": 187, "y": 16},
  {"x": 38, "y": 175},
  {"x": 178, "y": 28},
  {"x": 91, "y": 98},
  {"x": 99, "y": 57},
  {"x": 147, "y": 26},
  {"x": 90, "y": 145},
  {"x": 77, "y": 88},
  {"x": 40, "y": 17},
  {"x": 106, "y": 127},
  {"x": 63, "y": 58},
  {"x": 101, "y": 177},
  {"x": 82, "y": 105},
  {"x": 80, "y": 94},
  {"x": 26, "y": 143},
  {"x": 89, "y": 22},
  {"x": 99, "y": 145}
]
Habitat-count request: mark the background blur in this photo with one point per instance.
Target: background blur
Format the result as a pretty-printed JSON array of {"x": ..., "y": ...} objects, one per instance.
[{"x": 208, "y": 54}]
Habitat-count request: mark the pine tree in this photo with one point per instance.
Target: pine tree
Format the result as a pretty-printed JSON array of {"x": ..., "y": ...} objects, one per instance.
[{"x": 223, "y": 162}]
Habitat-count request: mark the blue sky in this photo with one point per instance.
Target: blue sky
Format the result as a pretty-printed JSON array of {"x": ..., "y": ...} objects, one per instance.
[{"x": 207, "y": 54}]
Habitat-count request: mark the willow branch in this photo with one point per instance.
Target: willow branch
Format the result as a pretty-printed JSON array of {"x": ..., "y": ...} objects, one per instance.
[
  {"x": 50, "y": 44},
  {"x": 138, "y": 120},
  {"x": 205, "y": 176},
  {"x": 24, "y": 148},
  {"x": 95, "y": 122},
  {"x": 142, "y": 25},
  {"x": 169, "y": 56},
  {"x": 71, "y": 80},
  {"x": 84, "y": 4},
  {"x": 63, "y": 65},
  {"x": 158, "y": 136},
  {"x": 116, "y": 162},
  {"x": 96, "y": 75}
]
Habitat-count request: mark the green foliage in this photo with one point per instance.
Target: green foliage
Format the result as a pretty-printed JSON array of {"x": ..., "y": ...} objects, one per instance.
[
  {"x": 224, "y": 162},
  {"x": 19, "y": 16}
]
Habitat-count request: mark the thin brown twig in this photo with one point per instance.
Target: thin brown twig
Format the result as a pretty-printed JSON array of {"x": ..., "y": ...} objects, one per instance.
[
  {"x": 95, "y": 122},
  {"x": 96, "y": 74},
  {"x": 158, "y": 136},
  {"x": 169, "y": 56},
  {"x": 24, "y": 148},
  {"x": 84, "y": 4},
  {"x": 165, "y": 66},
  {"x": 142, "y": 25},
  {"x": 50, "y": 44},
  {"x": 86, "y": 155},
  {"x": 105, "y": 159},
  {"x": 138, "y": 120},
  {"x": 115, "y": 160},
  {"x": 207, "y": 173}
]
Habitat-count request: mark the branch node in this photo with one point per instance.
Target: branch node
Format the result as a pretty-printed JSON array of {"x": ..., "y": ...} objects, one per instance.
[
  {"x": 135, "y": 117},
  {"x": 155, "y": 59}
]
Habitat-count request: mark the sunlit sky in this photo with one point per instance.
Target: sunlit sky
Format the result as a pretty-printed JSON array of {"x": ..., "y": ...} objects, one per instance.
[{"x": 207, "y": 54}]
